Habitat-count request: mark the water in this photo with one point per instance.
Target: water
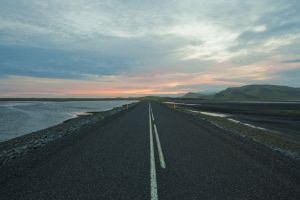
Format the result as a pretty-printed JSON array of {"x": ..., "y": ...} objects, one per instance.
[
  {"x": 211, "y": 113},
  {"x": 19, "y": 118},
  {"x": 227, "y": 117}
]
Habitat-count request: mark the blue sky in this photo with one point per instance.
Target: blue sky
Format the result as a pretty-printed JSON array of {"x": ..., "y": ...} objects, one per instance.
[{"x": 129, "y": 48}]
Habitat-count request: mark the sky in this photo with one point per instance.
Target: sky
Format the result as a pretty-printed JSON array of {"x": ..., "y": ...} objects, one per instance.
[{"x": 112, "y": 48}]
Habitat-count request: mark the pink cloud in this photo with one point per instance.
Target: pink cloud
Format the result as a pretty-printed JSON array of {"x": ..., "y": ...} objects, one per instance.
[
  {"x": 159, "y": 82},
  {"x": 132, "y": 85}
]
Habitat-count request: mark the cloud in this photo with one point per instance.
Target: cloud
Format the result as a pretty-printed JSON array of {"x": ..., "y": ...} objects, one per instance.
[
  {"x": 260, "y": 28},
  {"x": 105, "y": 86},
  {"x": 292, "y": 61},
  {"x": 188, "y": 43}
]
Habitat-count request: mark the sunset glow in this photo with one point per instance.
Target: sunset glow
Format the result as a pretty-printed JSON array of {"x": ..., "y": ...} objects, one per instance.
[{"x": 115, "y": 48}]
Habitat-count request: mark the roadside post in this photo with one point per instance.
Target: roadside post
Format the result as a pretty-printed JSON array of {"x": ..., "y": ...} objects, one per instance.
[{"x": 174, "y": 106}]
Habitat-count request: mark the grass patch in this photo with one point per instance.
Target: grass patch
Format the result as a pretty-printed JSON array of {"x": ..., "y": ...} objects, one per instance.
[{"x": 289, "y": 113}]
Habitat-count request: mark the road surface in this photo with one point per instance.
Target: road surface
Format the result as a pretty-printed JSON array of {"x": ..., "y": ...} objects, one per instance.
[{"x": 151, "y": 152}]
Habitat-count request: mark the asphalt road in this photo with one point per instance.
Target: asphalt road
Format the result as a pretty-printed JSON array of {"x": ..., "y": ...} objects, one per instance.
[{"x": 151, "y": 152}]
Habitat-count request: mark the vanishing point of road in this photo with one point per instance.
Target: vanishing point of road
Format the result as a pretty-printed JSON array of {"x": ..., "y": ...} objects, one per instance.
[{"x": 151, "y": 152}]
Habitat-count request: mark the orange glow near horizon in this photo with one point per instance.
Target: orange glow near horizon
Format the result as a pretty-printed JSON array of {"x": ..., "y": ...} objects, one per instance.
[
  {"x": 119, "y": 86},
  {"x": 155, "y": 83},
  {"x": 117, "y": 92}
]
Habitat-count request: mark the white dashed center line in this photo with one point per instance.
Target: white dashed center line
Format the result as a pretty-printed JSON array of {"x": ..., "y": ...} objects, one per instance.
[{"x": 153, "y": 179}]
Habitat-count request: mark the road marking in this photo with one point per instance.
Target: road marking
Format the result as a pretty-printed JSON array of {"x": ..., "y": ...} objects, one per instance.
[
  {"x": 152, "y": 114},
  {"x": 153, "y": 181},
  {"x": 160, "y": 153}
]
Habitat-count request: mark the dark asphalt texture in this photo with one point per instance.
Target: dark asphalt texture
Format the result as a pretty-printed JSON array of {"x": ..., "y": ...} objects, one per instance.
[{"x": 111, "y": 160}]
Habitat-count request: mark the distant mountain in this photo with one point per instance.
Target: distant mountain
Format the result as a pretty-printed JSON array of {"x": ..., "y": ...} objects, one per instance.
[
  {"x": 255, "y": 92},
  {"x": 194, "y": 95},
  {"x": 260, "y": 92}
]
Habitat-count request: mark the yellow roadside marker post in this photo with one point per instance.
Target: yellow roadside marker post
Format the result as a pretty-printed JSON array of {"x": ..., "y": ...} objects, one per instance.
[{"x": 174, "y": 106}]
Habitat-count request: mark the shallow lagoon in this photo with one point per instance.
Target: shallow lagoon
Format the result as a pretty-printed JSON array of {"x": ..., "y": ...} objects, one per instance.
[{"x": 19, "y": 118}]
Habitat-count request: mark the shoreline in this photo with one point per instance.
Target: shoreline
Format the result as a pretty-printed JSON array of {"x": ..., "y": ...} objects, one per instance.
[
  {"x": 21, "y": 118},
  {"x": 65, "y": 99},
  {"x": 19, "y": 146}
]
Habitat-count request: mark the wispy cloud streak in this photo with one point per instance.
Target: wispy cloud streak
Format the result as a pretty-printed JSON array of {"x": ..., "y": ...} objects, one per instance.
[{"x": 148, "y": 47}]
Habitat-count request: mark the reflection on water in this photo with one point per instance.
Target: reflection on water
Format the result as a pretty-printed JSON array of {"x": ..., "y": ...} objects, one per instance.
[{"x": 19, "y": 118}]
